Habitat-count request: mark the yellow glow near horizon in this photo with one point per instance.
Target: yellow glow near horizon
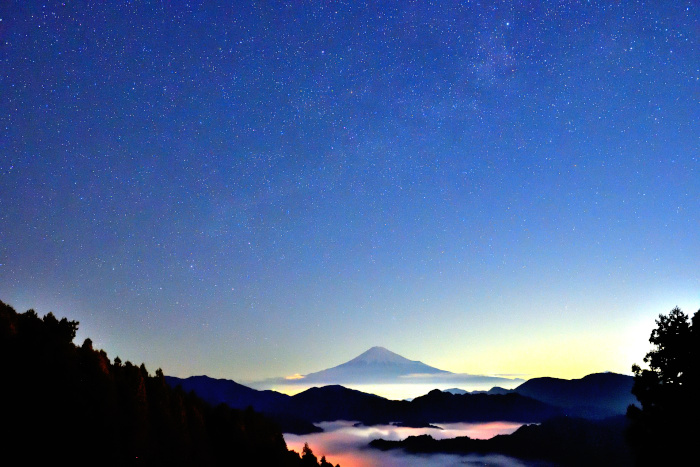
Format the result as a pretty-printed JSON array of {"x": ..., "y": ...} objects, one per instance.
[
  {"x": 561, "y": 356},
  {"x": 395, "y": 391},
  {"x": 571, "y": 355},
  {"x": 566, "y": 356}
]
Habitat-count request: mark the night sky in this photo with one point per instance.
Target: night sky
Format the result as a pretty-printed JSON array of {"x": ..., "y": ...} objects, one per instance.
[{"x": 272, "y": 188}]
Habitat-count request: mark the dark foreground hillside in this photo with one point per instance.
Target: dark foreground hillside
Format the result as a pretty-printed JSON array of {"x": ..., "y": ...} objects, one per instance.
[{"x": 67, "y": 403}]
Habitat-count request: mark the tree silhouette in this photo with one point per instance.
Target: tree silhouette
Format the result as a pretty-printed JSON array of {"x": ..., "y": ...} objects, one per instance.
[
  {"x": 70, "y": 405},
  {"x": 667, "y": 392},
  {"x": 308, "y": 458}
]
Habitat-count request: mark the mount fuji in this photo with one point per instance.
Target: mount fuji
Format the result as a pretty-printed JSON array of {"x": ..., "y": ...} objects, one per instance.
[
  {"x": 376, "y": 365},
  {"x": 379, "y": 366}
]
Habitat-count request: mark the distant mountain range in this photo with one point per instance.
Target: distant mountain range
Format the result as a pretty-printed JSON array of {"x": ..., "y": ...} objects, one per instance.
[
  {"x": 492, "y": 391},
  {"x": 382, "y": 366},
  {"x": 296, "y": 414},
  {"x": 238, "y": 396},
  {"x": 593, "y": 397}
]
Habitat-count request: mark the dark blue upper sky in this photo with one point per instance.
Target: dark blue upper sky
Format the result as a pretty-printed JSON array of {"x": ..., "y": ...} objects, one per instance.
[{"x": 267, "y": 188}]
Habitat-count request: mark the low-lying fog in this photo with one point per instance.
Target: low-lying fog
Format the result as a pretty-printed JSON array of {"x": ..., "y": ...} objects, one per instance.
[{"x": 345, "y": 444}]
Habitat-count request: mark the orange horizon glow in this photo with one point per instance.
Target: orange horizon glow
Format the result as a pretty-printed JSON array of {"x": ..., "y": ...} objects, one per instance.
[{"x": 342, "y": 443}]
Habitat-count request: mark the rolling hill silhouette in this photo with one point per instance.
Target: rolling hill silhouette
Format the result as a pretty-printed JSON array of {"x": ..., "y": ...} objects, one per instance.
[
  {"x": 296, "y": 413},
  {"x": 237, "y": 396},
  {"x": 231, "y": 393},
  {"x": 593, "y": 397}
]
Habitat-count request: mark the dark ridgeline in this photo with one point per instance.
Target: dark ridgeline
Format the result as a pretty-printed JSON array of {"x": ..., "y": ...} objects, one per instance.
[
  {"x": 582, "y": 421},
  {"x": 593, "y": 397},
  {"x": 297, "y": 413},
  {"x": 68, "y": 403},
  {"x": 64, "y": 403},
  {"x": 661, "y": 432},
  {"x": 235, "y": 395}
]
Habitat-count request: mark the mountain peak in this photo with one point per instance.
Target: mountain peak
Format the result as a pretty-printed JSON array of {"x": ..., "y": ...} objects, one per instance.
[
  {"x": 379, "y": 354},
  {"x": 375, "y": 365}
]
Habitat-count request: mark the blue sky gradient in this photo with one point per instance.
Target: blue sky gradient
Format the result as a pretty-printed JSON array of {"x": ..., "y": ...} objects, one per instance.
[{"x": 262, "y": 189}]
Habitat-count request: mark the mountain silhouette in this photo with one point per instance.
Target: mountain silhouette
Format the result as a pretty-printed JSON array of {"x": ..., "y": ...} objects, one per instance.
[
  {"x": 237, "y": 396},
  {"x": 379, "y": 365},
  {"x": 376, "y": 365},
  {"x": 493, "y": 391},
  {"x": 295, "y": 414},
  {"x": 340, "y": 403},
  {"x": 594, "y": 396}
]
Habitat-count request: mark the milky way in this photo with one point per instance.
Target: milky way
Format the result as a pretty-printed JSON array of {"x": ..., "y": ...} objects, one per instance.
[{"x": 269, "y": 188}]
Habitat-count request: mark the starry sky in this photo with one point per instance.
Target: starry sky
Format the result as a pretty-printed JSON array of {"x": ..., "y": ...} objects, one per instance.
[{"x": 254, "y": 189}]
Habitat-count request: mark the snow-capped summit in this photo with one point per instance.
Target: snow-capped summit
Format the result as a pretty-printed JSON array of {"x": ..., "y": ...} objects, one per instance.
[
  {"x": 379, "y": 355},
  {"x": 379, "y": 366},
  {"x": 373, "y": 366}
]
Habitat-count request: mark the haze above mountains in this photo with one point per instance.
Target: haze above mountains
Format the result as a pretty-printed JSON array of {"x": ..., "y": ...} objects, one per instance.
[
  {"x": 593, "y": 397},
  {"x": 383, "y": 372}
]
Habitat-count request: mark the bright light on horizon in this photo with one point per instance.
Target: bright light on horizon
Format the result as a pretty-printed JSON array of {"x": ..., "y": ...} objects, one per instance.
[{"x": 389, "y": 391}]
